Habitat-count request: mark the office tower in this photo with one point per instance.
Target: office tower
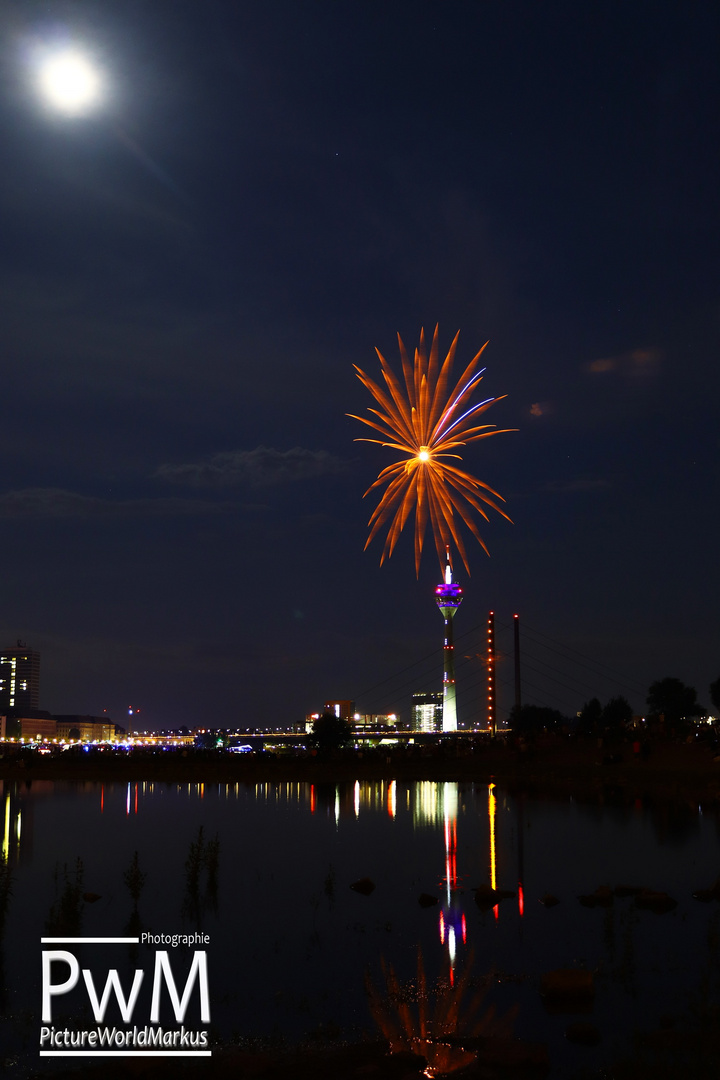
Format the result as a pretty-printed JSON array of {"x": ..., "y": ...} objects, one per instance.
[
  {"x": 427, "y": 712},
  {"x": 19, "y": 680}
]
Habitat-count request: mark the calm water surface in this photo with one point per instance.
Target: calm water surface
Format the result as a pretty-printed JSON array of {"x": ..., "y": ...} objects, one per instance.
[{"x": 290, "y": 942}]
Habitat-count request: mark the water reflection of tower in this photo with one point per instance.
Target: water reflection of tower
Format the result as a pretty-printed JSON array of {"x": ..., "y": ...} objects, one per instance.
[
  {"x": 453, "y": 924},
  {"x": 449, "y": 598},
  {"x": 438, "y": 803}
]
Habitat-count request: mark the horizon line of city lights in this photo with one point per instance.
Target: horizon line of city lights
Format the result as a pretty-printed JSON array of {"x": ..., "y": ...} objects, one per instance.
[{"x": 154, "y": 738}]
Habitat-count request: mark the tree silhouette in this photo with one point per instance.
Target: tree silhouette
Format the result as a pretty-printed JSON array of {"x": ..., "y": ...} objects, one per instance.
[
  {"x": 330, "y": 732},
  {"x": 617, "y": 713},
  {"x": 530, "y": 720},
  {"x": 589, "y": 720},
  {"x": 674, "y": 700},
  {"x": 715, "y": 693}
]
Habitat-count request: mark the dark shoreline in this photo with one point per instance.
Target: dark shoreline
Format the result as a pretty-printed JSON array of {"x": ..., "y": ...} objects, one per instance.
[
  {"x": 555, "y": 769},
  {"x": 674, "y": 1054},
  {"x": 507, "y": 1059}
]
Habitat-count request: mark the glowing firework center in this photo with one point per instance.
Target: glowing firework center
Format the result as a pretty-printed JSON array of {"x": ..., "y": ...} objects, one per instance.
[{"x": 449, "y": 598}]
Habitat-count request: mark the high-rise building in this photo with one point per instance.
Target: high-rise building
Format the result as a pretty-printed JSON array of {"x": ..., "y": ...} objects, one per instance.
[
  {"x": 342, "y": 709},
  {"x": 427, "y": 712},
  {"x": 19, "y": 680},
  {"x": 449, "y": 598}
]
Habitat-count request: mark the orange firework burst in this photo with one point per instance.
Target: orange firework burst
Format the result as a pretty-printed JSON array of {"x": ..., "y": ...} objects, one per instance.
[{"x": 428, "y": 422}]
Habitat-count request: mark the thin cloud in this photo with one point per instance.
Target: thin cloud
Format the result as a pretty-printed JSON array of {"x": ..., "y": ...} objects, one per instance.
[
  {"x": 58, "y": 503},
  {"x": 635, "y": 362},
  {"x": 541, "y": 408},
  {"x": 261, "y": 467}
]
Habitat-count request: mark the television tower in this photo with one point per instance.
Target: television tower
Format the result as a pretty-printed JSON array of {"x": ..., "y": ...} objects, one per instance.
[{"x": 449, "y": 598}]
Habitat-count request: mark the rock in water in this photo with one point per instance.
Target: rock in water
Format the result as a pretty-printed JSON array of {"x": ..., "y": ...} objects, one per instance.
[
  {"x": 487, "y": 897},
  {"x": 548, "y": 900},
  {"x": 659, "y": 902},
  {"x": 426, "y": 900},
  {"x": 364, "y": 886}
]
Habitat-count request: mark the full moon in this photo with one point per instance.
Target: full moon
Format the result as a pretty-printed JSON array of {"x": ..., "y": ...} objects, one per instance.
[{"x": 70, "y": 83}]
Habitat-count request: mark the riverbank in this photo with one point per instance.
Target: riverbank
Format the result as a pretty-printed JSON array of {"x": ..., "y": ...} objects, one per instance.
[
  {"x": 661, "y": 1055},
  {"x": 508, "y": 1059},
  {"x": 560, "y": 768}
]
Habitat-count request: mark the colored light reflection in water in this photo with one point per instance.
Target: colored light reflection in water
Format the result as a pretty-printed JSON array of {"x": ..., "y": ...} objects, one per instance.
[
  {"x": 521, "y": 854},
  {"x": 392, "y": 799},
  {"x": 492, "y": 808},
  {"x": 131, "y": 799},
  {"x": 437, "y": 804},
  {"x": 429, "y": 803},
  {"x": 12, "y": 829},
  {"x": 440, "y": 840},
  {"x": 6, "y": 830}
]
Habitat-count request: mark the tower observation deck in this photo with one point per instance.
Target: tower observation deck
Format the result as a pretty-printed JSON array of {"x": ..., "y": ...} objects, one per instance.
[{"x": 448, "y": 597}]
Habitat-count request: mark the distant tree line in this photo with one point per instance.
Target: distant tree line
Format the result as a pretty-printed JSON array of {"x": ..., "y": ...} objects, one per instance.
[{"x": 669, "y": 702}]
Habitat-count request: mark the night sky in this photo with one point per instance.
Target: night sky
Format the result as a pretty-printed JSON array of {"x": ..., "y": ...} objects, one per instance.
[{"x": 266, "y": 193}]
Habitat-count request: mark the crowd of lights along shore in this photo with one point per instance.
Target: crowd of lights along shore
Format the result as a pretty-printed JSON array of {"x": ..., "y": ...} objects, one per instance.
[{"x": 428, "y": 421}]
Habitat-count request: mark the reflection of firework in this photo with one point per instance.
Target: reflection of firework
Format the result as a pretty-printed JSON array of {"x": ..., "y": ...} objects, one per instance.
[
  {"x": 447, "y": 1036},
  {"x": 428, "y": 421}
]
